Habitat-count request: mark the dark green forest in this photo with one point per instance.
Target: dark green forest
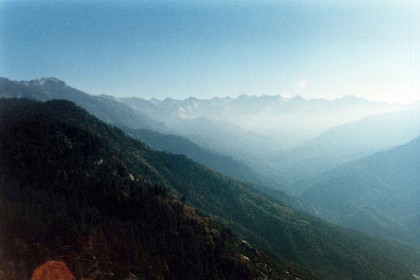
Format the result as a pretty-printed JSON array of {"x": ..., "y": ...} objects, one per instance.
[
  {"x": 76, "y": 189},
  {"x": 68, "y": 192}
]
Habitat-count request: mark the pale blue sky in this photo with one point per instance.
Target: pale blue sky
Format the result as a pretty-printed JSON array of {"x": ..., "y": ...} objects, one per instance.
[{"x": 217, "y": 48}]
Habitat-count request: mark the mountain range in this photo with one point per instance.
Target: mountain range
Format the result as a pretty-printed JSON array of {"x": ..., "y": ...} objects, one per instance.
[
  {"x": 367, "y": 194},
  {"x": 277, "y": 117},
  {"x": 113, "y": 111},
  {"x": 75, "y": 189},
  {"x": 51, "y": 88},
  {"x": 347, "y": 142},
  {"x": 259, "y": 132}
]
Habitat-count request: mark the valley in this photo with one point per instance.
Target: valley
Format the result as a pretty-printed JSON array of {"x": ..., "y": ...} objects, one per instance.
[
  {"x": 362, "y": 194},
  {"x": 209, "y": 140}
]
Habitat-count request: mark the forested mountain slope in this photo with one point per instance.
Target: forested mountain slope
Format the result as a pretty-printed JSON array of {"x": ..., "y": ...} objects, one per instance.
[
  {"x": 74, "y": 189},
  {"x": 378, "y": 194},
  {"x": 113, "y": 111},
  {"x": 224, "y": 164},
  {"x": 110, "y": 167}
]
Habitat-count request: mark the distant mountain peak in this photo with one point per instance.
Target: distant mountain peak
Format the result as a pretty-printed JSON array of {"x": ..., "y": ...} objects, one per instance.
[
  {"x": 192, "y": 98},
  {"x": 352, "y": 98},
  {"x": 221, "y": 98},
  {"x": 46, "y": 81},
  {"x": 51, "y": 79},
  {"x": 297, "y": 98}
]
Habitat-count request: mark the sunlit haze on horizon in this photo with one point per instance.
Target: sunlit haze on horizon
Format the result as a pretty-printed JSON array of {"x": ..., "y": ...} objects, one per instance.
[{"x": 159, "y": 49}]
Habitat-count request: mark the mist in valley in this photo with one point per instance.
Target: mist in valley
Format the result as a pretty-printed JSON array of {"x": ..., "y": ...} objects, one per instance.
[{"x": 210, "y": 140}]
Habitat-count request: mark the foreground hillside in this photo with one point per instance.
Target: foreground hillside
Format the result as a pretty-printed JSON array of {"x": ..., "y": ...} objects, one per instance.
[
  {"x": 70, "y": 192},
  {"x": 89, "y": 175}
]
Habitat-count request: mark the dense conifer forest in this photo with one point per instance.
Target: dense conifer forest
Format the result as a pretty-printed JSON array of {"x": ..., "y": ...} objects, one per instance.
[
  {"x": 66, "y": 194},
  {"x": 76, "y": 189}
]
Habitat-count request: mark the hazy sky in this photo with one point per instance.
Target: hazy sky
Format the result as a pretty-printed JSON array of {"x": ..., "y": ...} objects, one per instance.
[{"x": 217, "y": 48}]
